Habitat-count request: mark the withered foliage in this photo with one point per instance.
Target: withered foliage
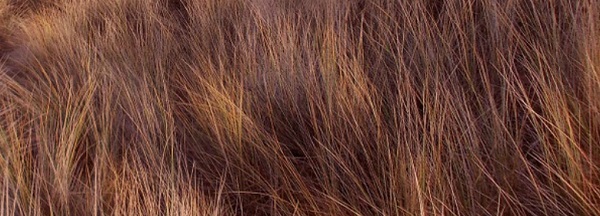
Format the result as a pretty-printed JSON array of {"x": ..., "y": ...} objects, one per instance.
[{"x": 299, "y": 107}]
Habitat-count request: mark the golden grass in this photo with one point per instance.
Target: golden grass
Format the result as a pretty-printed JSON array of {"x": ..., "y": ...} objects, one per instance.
[{"x": 313, "y": 107}]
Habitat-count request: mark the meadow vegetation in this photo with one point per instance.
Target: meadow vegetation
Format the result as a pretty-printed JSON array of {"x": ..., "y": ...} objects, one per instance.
[{"x": 299, "y": 107}]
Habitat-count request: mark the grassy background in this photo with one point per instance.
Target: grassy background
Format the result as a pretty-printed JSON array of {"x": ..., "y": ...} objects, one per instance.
[{"x": 299, "y": 107}]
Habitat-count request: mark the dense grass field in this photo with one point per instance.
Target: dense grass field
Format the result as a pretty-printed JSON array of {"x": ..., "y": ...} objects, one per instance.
[{"x": 299, "y": 107}]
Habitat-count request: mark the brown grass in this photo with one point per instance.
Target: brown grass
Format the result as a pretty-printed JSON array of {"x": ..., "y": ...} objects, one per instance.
[{"x": 299, "y": 107}]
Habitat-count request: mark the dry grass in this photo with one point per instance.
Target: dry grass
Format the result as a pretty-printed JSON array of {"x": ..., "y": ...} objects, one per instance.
[{"x": 299, "y": 107}]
